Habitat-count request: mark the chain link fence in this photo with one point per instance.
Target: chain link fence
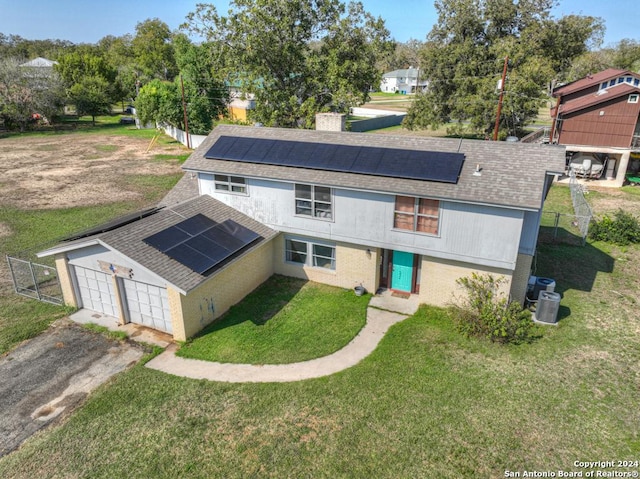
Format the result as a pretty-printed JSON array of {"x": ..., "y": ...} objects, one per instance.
[
  {"x": 565, "y": 227},
  {"x": 34, "y": 280}
]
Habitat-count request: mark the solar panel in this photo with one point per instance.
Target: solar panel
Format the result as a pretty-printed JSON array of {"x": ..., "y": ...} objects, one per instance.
[
  {"x": 437, "y": 166},
  {"x": 200, "y": 243},
  {"x": 196, "y": 224},
  {"x": 191, "y": 258},
  {"x": 167, "y": 238}
]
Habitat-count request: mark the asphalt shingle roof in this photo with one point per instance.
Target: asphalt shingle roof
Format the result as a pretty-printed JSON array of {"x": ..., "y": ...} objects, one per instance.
[
  {"x": 128, "y": 239},
  {"x": 513, "y": 174}
]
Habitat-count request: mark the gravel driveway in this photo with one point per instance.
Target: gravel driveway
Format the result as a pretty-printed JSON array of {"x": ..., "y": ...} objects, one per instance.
[{"x": 46, "y": 378}]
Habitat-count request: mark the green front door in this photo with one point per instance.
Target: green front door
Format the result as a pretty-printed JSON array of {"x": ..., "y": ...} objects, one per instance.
[{"x": 402, "y": 271}]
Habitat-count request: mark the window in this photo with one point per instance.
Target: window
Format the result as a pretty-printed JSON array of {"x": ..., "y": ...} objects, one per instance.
[
  {"x": 633, "y": 98},
  {"x": 311, "y": 254},
  {"x": 313, "y": 201},
  {"x": 296, "y": 251},
  {"x": 416, "y": 214},
  {"x": 230, "y": 184}
]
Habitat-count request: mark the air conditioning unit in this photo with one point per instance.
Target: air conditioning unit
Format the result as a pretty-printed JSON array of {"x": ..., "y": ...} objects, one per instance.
[
  {"x": 547, "y": 308},
  {"x": 542, "y": 284}
]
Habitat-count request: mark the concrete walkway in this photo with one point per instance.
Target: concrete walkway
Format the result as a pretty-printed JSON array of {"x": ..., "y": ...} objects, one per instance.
[{"x": 378, "y": 322}]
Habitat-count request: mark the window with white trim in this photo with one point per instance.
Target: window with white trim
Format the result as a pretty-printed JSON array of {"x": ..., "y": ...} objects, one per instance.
[
  {"x": 314, "y": 201},
  {"x": 633, "y": 98},
  {"x": 309, "y": 253},
  {"x": 230, "y": 184},
  {"x": 416, "y": 214}
]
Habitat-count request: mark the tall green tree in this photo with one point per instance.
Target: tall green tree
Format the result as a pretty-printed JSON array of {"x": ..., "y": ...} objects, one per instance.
[
  {"x": 463, "y": 57},
  {"x": 205, "y": 94},
  {"x": 89, "y": 80},
  {"x": 153, "y": 50},
  {"x": 297, "y": 57}
]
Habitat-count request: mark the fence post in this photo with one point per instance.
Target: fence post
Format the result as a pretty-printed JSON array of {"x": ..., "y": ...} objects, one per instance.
[{"x": 555, "y": 226}]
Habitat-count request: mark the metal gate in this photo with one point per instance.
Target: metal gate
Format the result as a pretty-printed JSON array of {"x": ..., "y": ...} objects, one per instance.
[{"x": 36, "y": 281}]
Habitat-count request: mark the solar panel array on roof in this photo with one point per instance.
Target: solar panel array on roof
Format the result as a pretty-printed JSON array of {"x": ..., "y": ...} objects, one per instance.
[
  {"x": 200, "y": 243},
  {"x": 438, "y": 166},
  {"x": 115, "y": 223}
]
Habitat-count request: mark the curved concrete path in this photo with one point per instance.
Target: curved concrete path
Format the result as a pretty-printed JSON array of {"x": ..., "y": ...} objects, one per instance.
[{"x": 378, "y": 322}]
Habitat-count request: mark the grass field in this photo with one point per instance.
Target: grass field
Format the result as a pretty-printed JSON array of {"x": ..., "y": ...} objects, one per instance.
[
  {"x": 427, "y": 403},
  {"x": 285, "y": 320}
]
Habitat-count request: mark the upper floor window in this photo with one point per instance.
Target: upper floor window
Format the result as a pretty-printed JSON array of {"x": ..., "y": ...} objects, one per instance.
[
  {"x": 314, "y": 201},
  {"x": 633, "y": 98},
  {"x": 231, "y": 184},
  {"x": 416, "y": 214}
]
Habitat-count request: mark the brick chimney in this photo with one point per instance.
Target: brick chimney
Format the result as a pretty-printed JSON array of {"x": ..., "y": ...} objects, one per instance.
[{"x": 331, "y": 121}]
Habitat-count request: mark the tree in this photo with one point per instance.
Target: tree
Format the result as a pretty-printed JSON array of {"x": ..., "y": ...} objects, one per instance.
[
  {"x": 153, "y": 50},
  {"x": 297, "y": 57},
  {"x": 160, "y": 101},
  {"x": 24, "y": 92},
  {"x": 91, "y": 96},
  {"x": 463, "y": 57},
  {"x": 206, "y": 95},
  {"x": 624, "y": 55}
]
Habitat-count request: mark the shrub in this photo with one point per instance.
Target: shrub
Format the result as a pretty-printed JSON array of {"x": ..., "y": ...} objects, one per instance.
[
  {"x": 623, "y": 229},
  {"x": 485, "y": 312}
]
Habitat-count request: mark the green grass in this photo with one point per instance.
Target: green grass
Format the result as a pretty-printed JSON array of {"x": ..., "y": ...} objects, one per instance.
[
  {"x": 105, "y": 125},
  {"x": 426, "y": 403},
  {"x": 285, "y": 320},
  {"x": 180, "y": 158}
]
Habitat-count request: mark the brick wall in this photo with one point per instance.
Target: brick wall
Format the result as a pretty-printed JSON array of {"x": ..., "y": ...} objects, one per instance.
[
  {"x": 191, "y": 313},
  {"x": 438, "y": 279},
  {"x": 64, "y": 276},
  {"x": 355, "y": 265},
  {"x": 330, "y": 121}
]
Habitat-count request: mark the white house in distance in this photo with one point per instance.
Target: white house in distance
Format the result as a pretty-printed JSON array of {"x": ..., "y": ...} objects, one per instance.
[
  {"x": 402, "y": 81},
  {"x": 407, "y": 214}
]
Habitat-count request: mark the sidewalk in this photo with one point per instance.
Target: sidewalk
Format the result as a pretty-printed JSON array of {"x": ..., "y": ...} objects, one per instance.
[{"x": 378, "y": 322}]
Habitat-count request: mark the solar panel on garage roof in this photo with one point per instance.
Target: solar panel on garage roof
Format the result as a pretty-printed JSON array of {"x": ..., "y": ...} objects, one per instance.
[
  {"x": 438, "y": 166},
  {"x": 200, "y": 243}
]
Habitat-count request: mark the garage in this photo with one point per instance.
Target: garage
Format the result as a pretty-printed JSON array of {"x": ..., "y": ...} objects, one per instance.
[
  {"x": 147, "y": 305},
  {"x": 97, "y": 291}
]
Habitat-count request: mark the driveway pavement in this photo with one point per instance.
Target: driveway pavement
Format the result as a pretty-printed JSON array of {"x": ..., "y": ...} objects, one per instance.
[{"x": 47, "y": 377}]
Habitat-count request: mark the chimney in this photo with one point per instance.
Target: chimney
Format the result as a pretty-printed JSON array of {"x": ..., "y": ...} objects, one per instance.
[{"x": 331, "y": 121}]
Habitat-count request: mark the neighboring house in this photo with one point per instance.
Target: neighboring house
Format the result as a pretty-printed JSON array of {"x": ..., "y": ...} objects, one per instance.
[
  {"x": 40, "y": 71},
  {"x": 46, "y": 65},
  {"x": 347, "y": 209},
  {"x": 597, "y": 118},
  {"x": 402, "y": 81}
]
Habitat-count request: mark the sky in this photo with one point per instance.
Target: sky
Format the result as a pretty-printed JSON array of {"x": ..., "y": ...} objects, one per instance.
[{"x": 87, "y": 21}]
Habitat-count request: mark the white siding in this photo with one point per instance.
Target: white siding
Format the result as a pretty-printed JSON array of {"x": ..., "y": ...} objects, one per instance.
[{"x": 472, "y": 233}]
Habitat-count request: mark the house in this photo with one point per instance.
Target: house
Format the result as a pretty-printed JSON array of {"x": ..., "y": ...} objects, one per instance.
[
  {"x": 347, "y": 209},
  {"x": 402, "y": 81},
  {"x": 597, "y": 119}
]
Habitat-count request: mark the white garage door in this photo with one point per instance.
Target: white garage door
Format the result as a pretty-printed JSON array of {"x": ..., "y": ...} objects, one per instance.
[
  {"x": 96, "y": 291},
  {"x": 148, "y": 305}
]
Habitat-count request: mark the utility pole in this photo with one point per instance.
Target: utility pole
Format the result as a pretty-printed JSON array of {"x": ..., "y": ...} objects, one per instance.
[
  {"x": 184, "y": 110},
  {"x": 504, "y": 77}
]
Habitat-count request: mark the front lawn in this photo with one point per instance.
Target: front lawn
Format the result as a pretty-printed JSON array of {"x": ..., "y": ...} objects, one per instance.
[{"x": 285, "y": 320}]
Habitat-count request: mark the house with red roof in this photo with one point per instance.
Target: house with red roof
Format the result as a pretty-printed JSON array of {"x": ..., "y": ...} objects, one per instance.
[{"x": 597, "y": 119}]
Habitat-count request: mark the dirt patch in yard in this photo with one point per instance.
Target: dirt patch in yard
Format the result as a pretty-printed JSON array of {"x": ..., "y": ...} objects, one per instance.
[
  {"x": 609, "y": 200},
  {"x": 77, "y": 170}
]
